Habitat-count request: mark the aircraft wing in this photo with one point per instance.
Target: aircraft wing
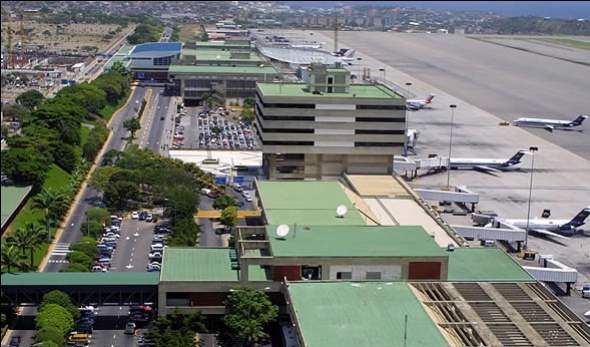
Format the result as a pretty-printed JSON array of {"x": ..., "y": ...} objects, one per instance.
[
  {"x": 549, "y": 233},
  {"x": 486, "y": 168},
  {"x": 549, "y": 128}
]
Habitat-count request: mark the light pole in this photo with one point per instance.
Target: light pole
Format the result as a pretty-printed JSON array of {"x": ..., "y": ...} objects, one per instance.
[
  {"x": 358, "y": 77},
  {"x": 533, "y": 149},
  {"x": 174, "y": 201},
  {"x": 408, "y": 84},
  {"x": 453, "y": 107},
  {"x": 382, "y": 75}
]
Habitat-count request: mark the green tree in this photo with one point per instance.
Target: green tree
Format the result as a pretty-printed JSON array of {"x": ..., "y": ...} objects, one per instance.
[
  {"x": 101, "y": 177},
  {"x": 98, "y": 214},
  {"x": 119, "y": 68},
  {"x": 74, "y": 267},
  {"x": 92, "y": 228},
  {"x": 54, "y": 315},
  {"x": 30, "y": 99},
  {"x": 248, "y": 114},
  {"x": 11, "y": 257},
  {"x": 61, "y": 299},
  {"x": 89, "y": 96},
  {"x": 229, "y": 217},
  {"x": 225, "y": 201},
  {"x": 48, "y": 200},
  {"x": 15, "y": 112},
  {"x": 177, "y": 329},
  {"x": 247, "y": 313},
  {"x": 50, "y": 335},
  {"x": 250, "y": 102},
  {"x": 30, "y": 238},
  {"x": 24, "y": 165},
  {"x": 119, "y": 193},
  {"x": 87, "y": 246},
  {"x": 76, "y": 257},
  {"x": 66, "y": 157},
  {"x": 132, "y": 125}
]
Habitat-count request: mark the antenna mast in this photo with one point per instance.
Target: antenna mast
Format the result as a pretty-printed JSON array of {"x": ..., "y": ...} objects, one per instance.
[{"x": 336, "y": 32}]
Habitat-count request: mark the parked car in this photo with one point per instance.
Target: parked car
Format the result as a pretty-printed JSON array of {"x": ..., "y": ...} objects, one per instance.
[
  {"x": 135, "y": 215},
  {"x": 142, "y": 215},
  {"x": 149, "y": 218},
  {"x": 15, "y": 341}
]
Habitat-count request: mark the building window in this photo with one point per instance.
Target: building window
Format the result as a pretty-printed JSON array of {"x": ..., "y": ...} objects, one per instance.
[
  {"x": 380, "y": 119},
  {"x": 344, "y": 275},
  {"x": 377, "y": 144},
  {"x": 373, "y": 275},
  {"x": 378, "y": 132}
]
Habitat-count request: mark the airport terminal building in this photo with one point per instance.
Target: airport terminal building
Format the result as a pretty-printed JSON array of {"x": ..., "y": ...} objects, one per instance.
[{"x": 320, "y": 129}]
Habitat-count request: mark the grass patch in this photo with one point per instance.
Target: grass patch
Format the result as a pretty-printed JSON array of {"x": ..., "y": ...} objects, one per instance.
[
  {"x": 188, "y": 32},
  {"x": 108, "y": 111},
  {"x": 568, "y": 43},
  {"x": 84, "y": 133},
  {"x": 56, "y": 178}
]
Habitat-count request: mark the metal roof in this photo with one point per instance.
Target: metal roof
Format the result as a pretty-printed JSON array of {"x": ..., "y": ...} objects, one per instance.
[
  {"x": 85, "y": 279},
  {"x": 484, "y": 264},
  {"x": 335, "y": 314},
  {"x": 308, "y": 202},
  {"x": 158, "y": 46},
  {"x": 198, "y": 264}
]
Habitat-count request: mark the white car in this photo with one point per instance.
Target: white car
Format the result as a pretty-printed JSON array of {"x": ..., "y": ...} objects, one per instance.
[
  {"x": 247, "y": 196},
  {"x": 135, "y": 215}
]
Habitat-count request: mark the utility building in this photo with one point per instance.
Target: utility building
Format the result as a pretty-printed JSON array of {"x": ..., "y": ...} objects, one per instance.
[{"x": 325, "y": 127}]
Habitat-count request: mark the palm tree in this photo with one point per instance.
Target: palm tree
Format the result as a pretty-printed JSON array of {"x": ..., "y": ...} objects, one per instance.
[
  {"x": 47, "y": 201},
  {"x": 35, "y": 238},
  {"x": 10, "y": 256},
  {"x": 28, "y": 238}
]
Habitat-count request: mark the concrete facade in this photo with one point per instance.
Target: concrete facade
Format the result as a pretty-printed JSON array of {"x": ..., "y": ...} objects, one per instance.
[{"x": 325, "y": 127}]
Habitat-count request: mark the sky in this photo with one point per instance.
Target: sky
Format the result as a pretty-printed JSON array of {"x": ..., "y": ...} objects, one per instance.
[{"x": 555, "y": 9}]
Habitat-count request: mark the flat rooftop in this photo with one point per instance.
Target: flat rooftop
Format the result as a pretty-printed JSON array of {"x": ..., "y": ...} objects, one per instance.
[
  {"x": 306, "y": 203},
  {"x": 335, "y": 314},
  {"x": 220, "y": 70},
  {"x": 197, "y": 264},
  {"x": 84, "y": 279},
  {"x": 370, "y": 91},
  {"x": 12, "y": 196},
  {"x": 353, "y": 241},
  {"x": 484, "y": 264}
]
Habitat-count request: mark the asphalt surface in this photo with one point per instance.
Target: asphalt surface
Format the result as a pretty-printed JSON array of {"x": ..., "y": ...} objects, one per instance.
[
  {"x": 497, "y": 78},
  {"x": 489, "y": 83}
]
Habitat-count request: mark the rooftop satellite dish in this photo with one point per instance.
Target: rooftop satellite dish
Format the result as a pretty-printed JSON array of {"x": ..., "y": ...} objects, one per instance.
[
  {"x": 341, "y": 211},
  {"x": 282, "y": 230}
]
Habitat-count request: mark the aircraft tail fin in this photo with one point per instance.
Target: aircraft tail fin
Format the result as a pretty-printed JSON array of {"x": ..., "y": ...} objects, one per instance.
[
  {"x": 429, "y": 98},
  {"x": 515, "y": 159},
  {"x": 579, "y": 120},
  {"x": 350, "y": 53},
  {"x": 579, "y": 219}
]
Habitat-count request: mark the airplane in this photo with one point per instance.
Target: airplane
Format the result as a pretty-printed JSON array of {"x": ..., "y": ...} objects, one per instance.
[
  {"x": 346, "y": 55},
  {"x": 550, "y": 124},
  {"x": 416, "y": 104},
  {"x": 552, "y": 227},
  {"x": 486, "y": 164}
]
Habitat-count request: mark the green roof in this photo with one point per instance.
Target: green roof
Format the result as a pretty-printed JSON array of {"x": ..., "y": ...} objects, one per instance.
[
  {"x": 306, "y": 203},
  {"x": 484, "y": 264},
  {"x": 375, "y": 91},
  {"x": 197, "y": 264},
  {"x": 126, "y": 49},
  {"x": 11, "y": 199},
  {"x": 353, "y": 241},
  {"x": 220, "y": 70},
  {"x": 335, "y": 314},
  {"x": 80, "y": 278}
]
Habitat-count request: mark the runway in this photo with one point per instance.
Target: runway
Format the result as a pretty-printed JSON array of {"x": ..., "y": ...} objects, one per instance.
[{"x": 491, "y": 83}]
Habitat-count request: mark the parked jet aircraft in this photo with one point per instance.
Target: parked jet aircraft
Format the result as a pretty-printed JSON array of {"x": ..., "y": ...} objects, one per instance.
[
  {"x": 486, "y": 164},
  {"x": 550, "y": 124},
  {"x": 552, "y": 227},
  {"x": 416, "y": 104}
]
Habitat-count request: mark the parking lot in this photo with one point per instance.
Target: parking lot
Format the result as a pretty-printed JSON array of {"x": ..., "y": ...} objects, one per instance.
[{"x": 203, "y": 128}]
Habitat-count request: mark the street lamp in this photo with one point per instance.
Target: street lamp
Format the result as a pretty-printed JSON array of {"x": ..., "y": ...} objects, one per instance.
[
  {"x": 408, "y": 84},
  {"x": 533, "y": 149},
  {"x": 453, "y": 107},
  {"x": 174, "y": 201}
]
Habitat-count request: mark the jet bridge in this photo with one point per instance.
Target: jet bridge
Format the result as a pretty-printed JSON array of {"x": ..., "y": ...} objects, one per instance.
[
  {"x": 552, "y": 270},
  {"x": 460, "y": 195},
  {"x": 410, "y": 166}
]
